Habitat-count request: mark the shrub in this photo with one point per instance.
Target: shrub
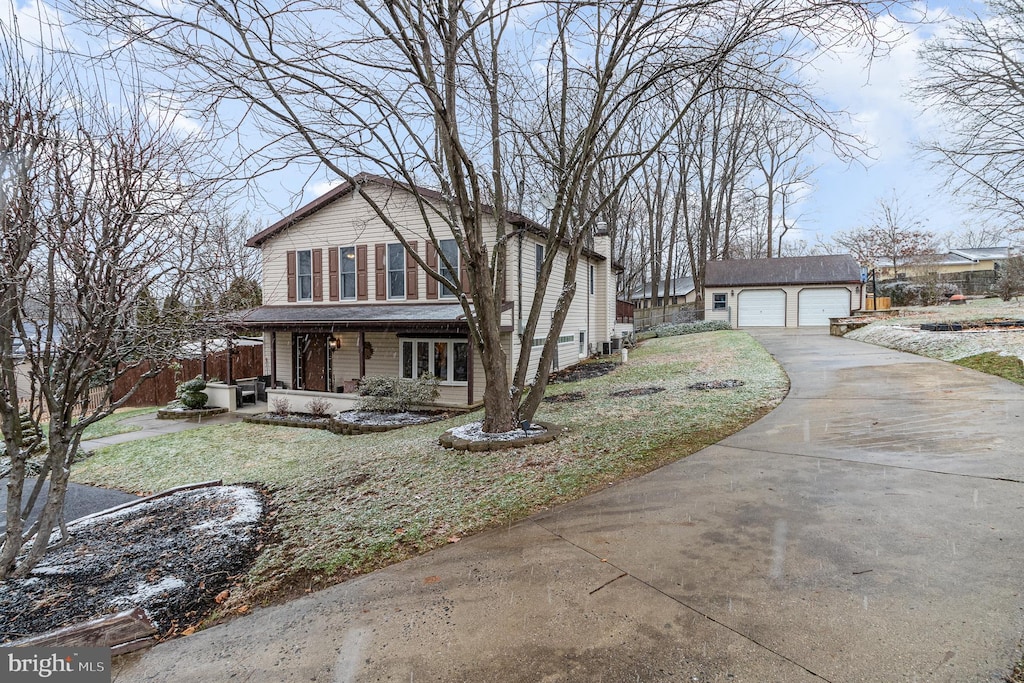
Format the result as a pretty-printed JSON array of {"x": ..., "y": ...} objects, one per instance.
[
  {"x": 190, "y": 393},
  {"x": 280, "y": 406},
  {"x": 395, "y": 395},
  {"x": 318, "y": 407},
  {"x": 690, "y": 328}
]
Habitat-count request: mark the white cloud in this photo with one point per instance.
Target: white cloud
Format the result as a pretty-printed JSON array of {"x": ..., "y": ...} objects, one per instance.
[
  {"x": 324, "y": 186},
  {"x": 164, "y": 109}
]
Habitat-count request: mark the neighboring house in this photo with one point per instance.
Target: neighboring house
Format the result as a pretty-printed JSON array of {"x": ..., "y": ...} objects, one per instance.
[
  {"x": 343, "y": 300},
  {"x": 974, "y": 271},
  {"x": 674, "y": 295},
  {"x": 782, "y": 292}
]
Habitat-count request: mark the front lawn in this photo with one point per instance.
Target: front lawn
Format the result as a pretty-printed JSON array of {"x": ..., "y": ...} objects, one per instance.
[
  {"x": 351, "y": 504},
  {"x": 115, "y": 424}
]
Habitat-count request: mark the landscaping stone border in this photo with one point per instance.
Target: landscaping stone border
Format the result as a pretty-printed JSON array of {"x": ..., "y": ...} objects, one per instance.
[
  {"x": 332, "y": 425},
  {"x": 550, "y": 433},
  {"x": 164, "y": 414},
  {"x": 327, "y": 424}
]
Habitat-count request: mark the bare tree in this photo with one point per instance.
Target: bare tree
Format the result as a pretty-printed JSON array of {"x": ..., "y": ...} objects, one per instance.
[
  {"x": 781, "y": 147},
  {"x": 96, "y": 203},
  {"x": 975, "y": 80},
  {"x": 1011, "y": 278},
  {"x": 894, "y": 237},
  {"x": 982, "y": 235},
  {"x": 440, "y": 93}
]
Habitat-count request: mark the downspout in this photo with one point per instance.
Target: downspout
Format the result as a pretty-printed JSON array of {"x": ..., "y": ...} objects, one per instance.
[
  {"x": 591, "y": 275},
  {"x": 519, "y": 286}
]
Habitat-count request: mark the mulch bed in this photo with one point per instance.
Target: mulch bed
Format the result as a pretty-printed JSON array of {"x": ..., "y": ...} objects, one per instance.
[
  {"x": 716, "y": 384},
  {"x": 176, "y": 557},
  {"x": 582, "y": 371},
  {"x": 639, "y": 391},
  {"x": 567, "y": 397},
  {"x": 995, "y": 324}
]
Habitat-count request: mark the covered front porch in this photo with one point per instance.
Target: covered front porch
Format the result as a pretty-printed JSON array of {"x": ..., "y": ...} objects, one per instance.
[{"x": 322, "y": 352}]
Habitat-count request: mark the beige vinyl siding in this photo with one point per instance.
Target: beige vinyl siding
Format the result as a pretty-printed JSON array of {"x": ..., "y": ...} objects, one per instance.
[
  {"x": 583, "y": 311},
  {"x": 792, "y": 301},
  {"x": 348, "y": 221}
]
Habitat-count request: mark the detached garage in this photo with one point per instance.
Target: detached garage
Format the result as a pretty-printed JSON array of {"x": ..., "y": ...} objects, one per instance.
[{"x": 803, "y": 291}]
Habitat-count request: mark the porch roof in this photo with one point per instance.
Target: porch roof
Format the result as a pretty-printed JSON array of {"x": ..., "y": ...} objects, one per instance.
[{"x": 376, "y": 317}]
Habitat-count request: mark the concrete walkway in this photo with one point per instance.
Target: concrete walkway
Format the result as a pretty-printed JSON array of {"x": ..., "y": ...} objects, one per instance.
[
  {"x": 869, "y": 529},
  {"x": 149, "y": 426}
]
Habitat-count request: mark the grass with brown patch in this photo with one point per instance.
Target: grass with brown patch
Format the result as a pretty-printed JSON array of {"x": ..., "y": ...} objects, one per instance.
[{"x": 350, "y": 504}]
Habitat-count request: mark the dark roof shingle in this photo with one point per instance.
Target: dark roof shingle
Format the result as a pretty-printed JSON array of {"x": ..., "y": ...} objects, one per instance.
[{"x": 797, "y": 270}]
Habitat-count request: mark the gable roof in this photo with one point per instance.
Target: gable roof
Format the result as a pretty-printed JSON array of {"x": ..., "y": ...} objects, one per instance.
[
  {"x": 347, "y": 188},
  {"x": 797, "y": 270},
  {"x": 681, "y": 286}
]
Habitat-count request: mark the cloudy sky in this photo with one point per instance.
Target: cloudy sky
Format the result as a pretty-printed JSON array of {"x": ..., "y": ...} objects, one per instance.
[{"x": 873, "y": 92}]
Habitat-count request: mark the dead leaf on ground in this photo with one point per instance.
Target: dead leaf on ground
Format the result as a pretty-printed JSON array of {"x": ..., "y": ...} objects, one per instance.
[
  {"x": 432, "y": 579},
  {"x": 222, "y": 596},
  {"x": 454, "y": 539},
  {"x": 189, "y": 631}
]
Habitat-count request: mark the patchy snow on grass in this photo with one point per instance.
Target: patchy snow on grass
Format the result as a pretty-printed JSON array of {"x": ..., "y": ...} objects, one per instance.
[
  {"x": 474, "y": 432},
  {"x": 248, "y": 508},
  {"x": 146, "y": 591},
  {"x": 372, "y": 417},
  {"x": 947, "y": 346},
  {"x": 169, "y": 556}
]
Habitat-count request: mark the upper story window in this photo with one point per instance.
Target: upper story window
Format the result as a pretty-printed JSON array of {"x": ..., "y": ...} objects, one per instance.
[
  {"x": 396, "y": 271},
  {"x": 540, "y": 259},
  {"x": 449, "y": 251},
  {"x": 718, "y": 302},
  {"x": 593, "y": 278},
  {"x": 304, "y": 274},
  {"x": 347, "y": 272}
]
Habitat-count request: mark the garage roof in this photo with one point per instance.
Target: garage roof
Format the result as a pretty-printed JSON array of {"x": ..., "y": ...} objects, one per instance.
[{"x": 797, "y": 270}]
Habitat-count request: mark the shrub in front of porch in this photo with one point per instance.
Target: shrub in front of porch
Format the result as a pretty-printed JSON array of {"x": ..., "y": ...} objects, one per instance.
[
  {"x": 191, "y": 394},
  {"x": 396, "y": 395}
]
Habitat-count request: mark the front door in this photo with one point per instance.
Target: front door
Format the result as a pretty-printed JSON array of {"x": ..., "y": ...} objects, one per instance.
[{"x": 311, "y": 365}]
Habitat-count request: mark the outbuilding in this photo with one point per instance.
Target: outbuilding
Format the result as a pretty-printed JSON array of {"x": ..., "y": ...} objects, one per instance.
[{"x": 801, "y": 291}]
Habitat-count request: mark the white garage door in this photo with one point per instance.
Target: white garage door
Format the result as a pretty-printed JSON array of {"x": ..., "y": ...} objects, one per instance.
[
  {"x": 818, "y": 305},
  {"x": 762, "y": 308}
]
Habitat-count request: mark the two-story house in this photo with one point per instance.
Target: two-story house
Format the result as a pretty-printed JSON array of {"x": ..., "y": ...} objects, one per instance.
[{"x": 343, "y": 299}]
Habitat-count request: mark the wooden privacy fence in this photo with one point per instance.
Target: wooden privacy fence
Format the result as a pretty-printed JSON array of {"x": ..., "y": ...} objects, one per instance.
[{"x": 246, "y": 361}]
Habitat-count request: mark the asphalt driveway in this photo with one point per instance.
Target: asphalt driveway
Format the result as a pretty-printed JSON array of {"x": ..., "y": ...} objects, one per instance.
[
  {"x": 79, "y": 501},
  {"x": 869, "y": 529}
]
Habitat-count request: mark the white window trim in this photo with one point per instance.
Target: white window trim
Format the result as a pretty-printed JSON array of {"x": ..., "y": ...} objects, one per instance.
[
  {"x": 388, "y": 272},
  {"x": 451, "y": 342},
  {"x": 355, "y": 275},
  {"x": 299, "y": 276}
]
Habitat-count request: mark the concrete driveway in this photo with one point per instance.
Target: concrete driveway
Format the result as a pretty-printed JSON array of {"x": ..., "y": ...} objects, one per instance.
[{"x": 869, "y": 529}]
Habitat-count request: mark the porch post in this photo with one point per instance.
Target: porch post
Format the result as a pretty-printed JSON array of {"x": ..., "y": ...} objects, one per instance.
[
  {"x": 469, "y": 369},
  {"x": 273, "y": 359},
  {"x": 231, "y": 366},
  {"x": 362, "y": 356},
  {"x": 202, "y": 352}
]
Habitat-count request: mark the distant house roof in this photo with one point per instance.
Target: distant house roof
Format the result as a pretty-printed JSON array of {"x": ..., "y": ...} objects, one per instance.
[
  {"x": 798, "y": 270},
  {"x": 966, "y": 257},
  {"x": 680, "y": 286},
  {"x": 346, "y": 188}
]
